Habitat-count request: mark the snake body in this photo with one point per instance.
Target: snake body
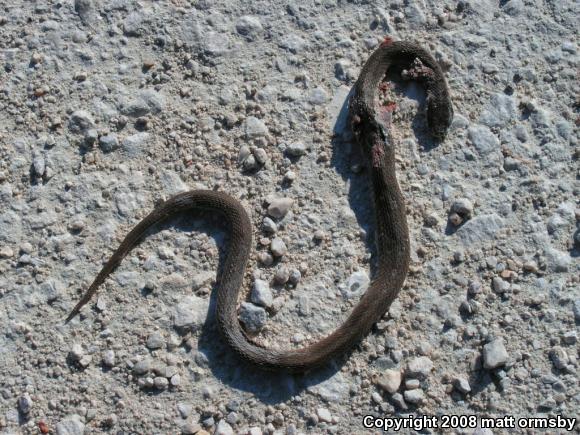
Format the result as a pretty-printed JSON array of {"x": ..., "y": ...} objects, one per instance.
[{"x": 390, "y": 222}]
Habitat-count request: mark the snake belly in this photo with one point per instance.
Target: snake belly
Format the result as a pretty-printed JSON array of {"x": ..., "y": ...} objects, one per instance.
[{"x": 392, "y": 235}]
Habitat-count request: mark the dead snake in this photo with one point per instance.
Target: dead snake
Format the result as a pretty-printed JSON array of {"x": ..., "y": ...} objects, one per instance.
[{"x": 392, "y": 236}]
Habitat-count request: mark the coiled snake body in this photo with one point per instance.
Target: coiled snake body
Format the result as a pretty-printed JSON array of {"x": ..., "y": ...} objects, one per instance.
[{"x": 392, "y": 235}]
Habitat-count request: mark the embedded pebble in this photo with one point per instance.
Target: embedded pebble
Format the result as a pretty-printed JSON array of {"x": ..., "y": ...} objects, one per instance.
[
  {"x": 324, "y": 415},
  {"x": 109, "y": 142},
  {"x": 494, "y": 354},
  {"x": 161, "y": 383},
  {"x": 249, "y": 26},
  {"x": 279, "y": 207},
  {"x": 419, "y": 367},
  {"x": 142, "y": 367},
  {"x": 281, "y": 276},
  {"x": 253, "y": 317},
  {"x": 415, "y": 396},
  {"x": 190, "y": 313},
  {"x": 484, "y": 141},
  {"x": 462, "y": 385},
  {"x": 71, "y": 425},
  {"x": 261, "y": 294},
  {"x": 223, "y": 428},
  {"x": 81, "y": 121},
  {"x": 155, "y": 341},
  {"x": 278, "y": 247},
  {"x": 25, "y": 403},
  {"x": 254, "y": 128},
  {"x": 296, "y": 149},
  {"x": 269, "y": 226},
  {"x": 390, "y": 380},
  {"x": 109, "y": 358}
]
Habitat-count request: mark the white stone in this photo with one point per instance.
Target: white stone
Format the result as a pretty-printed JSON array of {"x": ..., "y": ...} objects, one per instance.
[
  {"x": 390, "y": 381},
  {"x": 261, "y": 294},
  {"x": 494, "y": 354},
  {"x": 279, "y": 207},
  {"x": 420, "y": 367}
]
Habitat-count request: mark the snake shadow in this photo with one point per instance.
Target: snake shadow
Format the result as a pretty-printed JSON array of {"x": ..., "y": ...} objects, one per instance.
[{"x": 213, "y": 354}]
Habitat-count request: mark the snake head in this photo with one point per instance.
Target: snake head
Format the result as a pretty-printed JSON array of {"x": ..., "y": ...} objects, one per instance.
[{"x": 439, "y": 117}]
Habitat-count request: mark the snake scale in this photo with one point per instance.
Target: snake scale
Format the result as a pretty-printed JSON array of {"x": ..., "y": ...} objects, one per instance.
[{"x": 372, "y": 134}]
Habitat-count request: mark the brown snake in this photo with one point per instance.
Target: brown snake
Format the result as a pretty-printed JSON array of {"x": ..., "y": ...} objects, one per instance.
[{"x": 392, "y": 236}]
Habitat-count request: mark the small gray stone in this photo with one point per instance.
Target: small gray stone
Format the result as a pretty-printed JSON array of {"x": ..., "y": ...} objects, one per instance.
[
  {"x": 108, "y": 358},
  {"x": 223, "y": 428},
  {"x": 500, "y": 110},
  {"x": 51, "y": 289},
  {"x": 296, "y": 149},
  {"x": 254, "y": 128},
  {"x": 390, "y": 381},
  {"x": 399, "y": 401},
  {"x": 261, "y": 156},
  {"x": 294, "y": 277},
  {"x": 70, "y": 425},
  {"x": 317, "y": 96},
  {"x": 269, "y": 226},
  {"x": 513, "y": 7},
  {"x": 91, "y": 136},
  {"x": 81, "y": 120},
  {"x": 282, "y": 275},
  {"x": 38, "y": 165},
  {"x": 570, "y": 337},
  {"x": 499, "y": 285},
  {"x": 155, "y": 341},
  {"x": 278, "y": 247},
  {"x": 416, "y": 396},
  {"x": 279, "y": 207},
  {"x": 25, "y": 403},
  {"x": 463, "y": 207},
  {"x": 184, "y": 409},
  {"x": 133, "y": 24},
  {"x": 85, "y": 10},
  {"x": 419, "y": 367},
  {"x": 191, "y": 428},
  {"x": 324, "y": 415},
  {"x": 142, "y": 367},
  {"x": 462, "y": 385},
  {"x": 190, "y": 313},
  {"x": 412, "y": 384},
  {"x": 77, "y": 352},
  {"x": 244, "y": 153},
  {"x": 261, "y": 294},
  {"x": 482, "y": 138},
  {"x": 160, "y": 383},
  {"x": 135, "y": 144},
  {"x": 576, "y": 310},
  {"x": 556, "y": 260},
  {"x": 249, "y": 27},
  {"x": 559, "y": 357},
  {"x": 253, "y": 317},
  {"x": 109, "y": 142},
  {"x": 494, "y": 354},
  {"x": 480, "y": 229},
  {"x": 292, "y": 43}
]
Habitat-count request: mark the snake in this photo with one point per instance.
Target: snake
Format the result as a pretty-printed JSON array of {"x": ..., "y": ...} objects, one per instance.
[{"x": 371, "y": 130}]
